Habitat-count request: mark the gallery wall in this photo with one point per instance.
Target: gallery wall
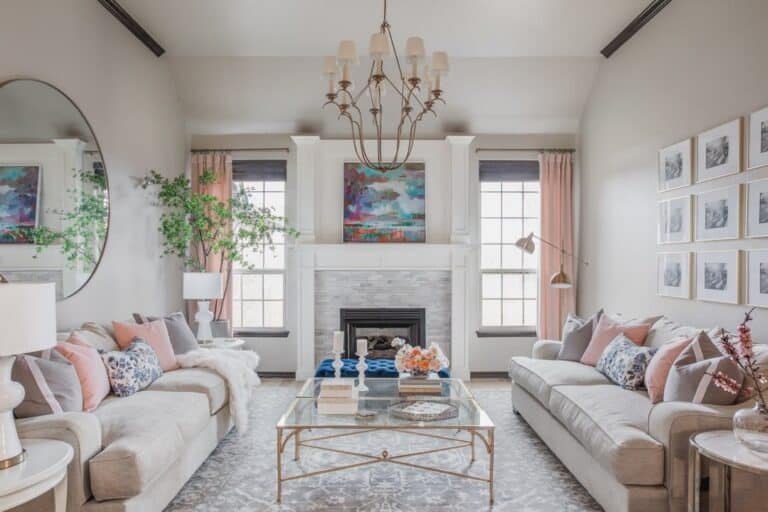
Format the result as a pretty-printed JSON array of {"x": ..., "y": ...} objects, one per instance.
[
  {"x": 698, "y": 64},
  {"x": 128, "y": 96}
]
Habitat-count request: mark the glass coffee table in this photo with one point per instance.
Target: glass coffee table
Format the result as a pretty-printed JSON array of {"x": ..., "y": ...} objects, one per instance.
[{"x": 302, "y": 423}]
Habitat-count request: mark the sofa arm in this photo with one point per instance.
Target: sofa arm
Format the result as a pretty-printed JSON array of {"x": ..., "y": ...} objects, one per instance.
[
  {"x": 546, "y": 349},
  {"x": 673, "y": 424},
  {"x": 82, "y": 431}
]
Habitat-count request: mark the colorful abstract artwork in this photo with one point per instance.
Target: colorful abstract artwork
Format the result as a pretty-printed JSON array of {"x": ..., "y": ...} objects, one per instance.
[
  {"x": 19, "y": 187},
  {"x": 384, "y": 206}
]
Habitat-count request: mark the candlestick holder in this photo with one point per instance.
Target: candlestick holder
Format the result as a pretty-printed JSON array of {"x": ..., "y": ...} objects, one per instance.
[
  {"x": 361, "y": 367},
  {"x": 337, "y": 364}
]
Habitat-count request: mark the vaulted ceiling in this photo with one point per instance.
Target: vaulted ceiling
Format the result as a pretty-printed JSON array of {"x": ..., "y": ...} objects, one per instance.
[{"x": 253, "y": 66}]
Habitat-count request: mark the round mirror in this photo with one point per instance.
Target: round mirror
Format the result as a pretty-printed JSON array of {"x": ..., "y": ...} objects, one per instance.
[{"x": 54, "y": 199}]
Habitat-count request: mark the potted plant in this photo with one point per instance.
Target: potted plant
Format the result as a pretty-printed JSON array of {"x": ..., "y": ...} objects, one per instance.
[
  {"x": 205, "y": 232},
  {"x": 750, "y": 426}
]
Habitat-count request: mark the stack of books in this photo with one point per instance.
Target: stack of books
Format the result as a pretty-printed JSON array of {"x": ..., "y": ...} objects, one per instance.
[
  {"x": 337, "y": 396},
  {"x": 431, "y": 386}
]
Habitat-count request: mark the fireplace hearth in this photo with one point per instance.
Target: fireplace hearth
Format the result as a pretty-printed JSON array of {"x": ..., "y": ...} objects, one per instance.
[{"x": 380, "y": 326}]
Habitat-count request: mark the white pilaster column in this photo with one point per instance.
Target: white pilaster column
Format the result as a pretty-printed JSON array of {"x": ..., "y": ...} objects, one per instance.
[
  {"x": 459, "y": 318},
  {"x": 305, "y": 338},
  {"x": 460, "y": 168},
  {"x": 307, "y": 149}
]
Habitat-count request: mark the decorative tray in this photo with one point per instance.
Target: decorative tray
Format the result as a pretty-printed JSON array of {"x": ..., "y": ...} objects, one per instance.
[{"x": 424, "y": 410}]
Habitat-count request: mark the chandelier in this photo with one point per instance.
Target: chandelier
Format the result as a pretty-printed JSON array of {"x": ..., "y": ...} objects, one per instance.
[{"x": 418, "y": 90}]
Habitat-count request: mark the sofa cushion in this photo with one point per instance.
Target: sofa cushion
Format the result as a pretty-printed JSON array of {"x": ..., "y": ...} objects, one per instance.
[
  {"x": 612, "y": 424},
  {"x": 577, "y": 334},
  {"x": 196, "y": 380},
  {"x": 143, "y": 435},
  {"x": 538, "y": 376}
]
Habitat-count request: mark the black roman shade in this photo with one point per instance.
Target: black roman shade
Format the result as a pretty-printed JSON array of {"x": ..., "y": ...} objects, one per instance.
[
  {"x": 258, "y": 170},
  {"x": 509, "y": 170}
]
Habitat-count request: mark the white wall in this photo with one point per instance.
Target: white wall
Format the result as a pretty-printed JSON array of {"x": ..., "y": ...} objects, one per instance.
[
  {"x": 696, "y": 65},
  {"x": 128, "y": 97}
]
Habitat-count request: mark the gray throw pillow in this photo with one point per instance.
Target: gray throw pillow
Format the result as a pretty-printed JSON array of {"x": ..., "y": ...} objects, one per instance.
[
  {"x": 50, "y": 385},
  {"x": 182, "y": 338},
  {"x": 690, "y": 378},
  {"x": 577, "y": 334}
]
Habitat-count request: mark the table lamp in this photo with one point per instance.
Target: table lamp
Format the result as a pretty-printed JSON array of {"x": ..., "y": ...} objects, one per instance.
[
  {"x": 28, "y": 319},
  {"x": 203, "y": 287}
]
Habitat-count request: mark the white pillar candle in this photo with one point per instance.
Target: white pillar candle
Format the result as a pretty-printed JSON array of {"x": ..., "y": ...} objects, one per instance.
[
  {"x": 338, "y": 341},
  {"x": 362, "y": 346}
]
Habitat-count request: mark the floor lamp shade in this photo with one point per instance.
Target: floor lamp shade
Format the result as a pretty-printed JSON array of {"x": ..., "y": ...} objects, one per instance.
[
  {"x": 27, "y": 317},
  {"x": 203, "y": 285}
]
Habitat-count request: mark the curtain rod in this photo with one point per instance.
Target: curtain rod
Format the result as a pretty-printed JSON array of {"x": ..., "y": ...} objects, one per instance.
[
  {"x": 208, "y": 150},
  {"x": 556, "y": 150}
]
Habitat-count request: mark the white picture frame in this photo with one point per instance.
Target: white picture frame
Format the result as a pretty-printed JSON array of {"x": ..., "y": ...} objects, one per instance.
[
  {"x": 757, "y": 209},
  {"x": 718, "y": 276},
  {"x": 758, "y": 138},
  {"x": 718, "y": 151},
  {"x": 718, "y": 214},
  {"x": 757, "y": 278},
  {"x": 674, "y": 220},
  {"x": 673, "y": 274},
  {"x": 675, "y": 166}
]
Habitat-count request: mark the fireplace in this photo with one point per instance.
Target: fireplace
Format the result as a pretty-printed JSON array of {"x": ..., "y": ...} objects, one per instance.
[{"x": 380, "y": 326}]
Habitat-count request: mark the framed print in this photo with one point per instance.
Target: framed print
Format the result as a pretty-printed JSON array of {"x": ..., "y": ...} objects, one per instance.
[
  {"x": 718, "y": 214},
  {"x": 718, "y": 151},
  {"x": 758, "y": 138},
  {"x": 675, "y": 166},
  {"x": 675, "y": 220},
  {"x": 384, "y": 206},
  {"x": 19, "y": 197},
  {"x": 757, "y": 208},
  {"x": 674, "y": 274},
  {"x": 757, "y": 278},
  {"x": 717, "y": 276}
]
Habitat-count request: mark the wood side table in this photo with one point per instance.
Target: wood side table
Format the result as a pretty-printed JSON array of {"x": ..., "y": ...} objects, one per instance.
[
  {"x": 44, "y": 468},
  {"x": 721, "y": 447}
]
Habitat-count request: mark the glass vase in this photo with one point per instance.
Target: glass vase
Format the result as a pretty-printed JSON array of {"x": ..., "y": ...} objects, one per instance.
[{"x": 750, "y": 426}]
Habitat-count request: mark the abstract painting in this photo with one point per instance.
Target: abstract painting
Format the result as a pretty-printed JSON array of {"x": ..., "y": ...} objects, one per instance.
[
  {"x": 384, "y": 206},
  {"x": 19, "y": 188}
]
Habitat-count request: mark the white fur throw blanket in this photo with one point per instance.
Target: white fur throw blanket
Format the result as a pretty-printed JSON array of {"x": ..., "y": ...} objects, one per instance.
[{"x": 237, "y": 367}]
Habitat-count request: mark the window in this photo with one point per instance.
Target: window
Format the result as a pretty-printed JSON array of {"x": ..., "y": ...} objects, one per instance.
[
  {"x": 509, "y": 210},
  {"x": 258, "y": 293}
]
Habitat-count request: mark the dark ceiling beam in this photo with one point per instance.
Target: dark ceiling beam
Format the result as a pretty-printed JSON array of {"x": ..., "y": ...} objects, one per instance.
[
  {"x": 636, "y": 24},
  {"x": 131, "y": 24}
]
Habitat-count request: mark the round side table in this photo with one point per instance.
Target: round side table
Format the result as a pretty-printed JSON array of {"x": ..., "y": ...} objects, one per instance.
[
  {"x": 44, "y": 468},
  {"x": 228, "y": 343},
  {"x": 721, "y": 447}
]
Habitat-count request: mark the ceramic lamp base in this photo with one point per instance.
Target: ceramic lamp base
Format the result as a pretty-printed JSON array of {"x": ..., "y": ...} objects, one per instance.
[
  {"x": 11, "y": 395},
  {"x": 203, "y": 317}
]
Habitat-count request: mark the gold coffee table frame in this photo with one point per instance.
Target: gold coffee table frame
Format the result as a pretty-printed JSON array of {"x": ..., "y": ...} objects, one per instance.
[{"x": 302, "y": 417}]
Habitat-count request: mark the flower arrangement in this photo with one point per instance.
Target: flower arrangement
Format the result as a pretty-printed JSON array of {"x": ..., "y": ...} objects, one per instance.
[
  {"x": 739, "y": 348},
  {"x": 420, "y": 361}
]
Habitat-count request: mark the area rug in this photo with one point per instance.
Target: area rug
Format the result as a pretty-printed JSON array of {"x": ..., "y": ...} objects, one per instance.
[{"x": 240, "y": 474}]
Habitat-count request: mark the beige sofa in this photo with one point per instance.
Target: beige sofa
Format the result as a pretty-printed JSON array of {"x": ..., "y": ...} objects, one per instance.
[
  {"x": 134, "y": 454},
  {"x": 630, "y": 454}
]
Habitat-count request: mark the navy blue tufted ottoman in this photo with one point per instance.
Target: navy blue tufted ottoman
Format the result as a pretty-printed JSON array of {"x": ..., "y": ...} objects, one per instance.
[{"x": 376, "y": 368}]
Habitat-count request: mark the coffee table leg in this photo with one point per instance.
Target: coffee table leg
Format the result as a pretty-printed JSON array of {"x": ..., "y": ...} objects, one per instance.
[
  {"x": 279, "y": 465},
  {"x": 472, "y": 433},
  {"x": 491, "y": 453},
  {"x": 727, "y": 488},
  {"x": 694, "y": 479},
  {"x": 296, "y": 445}
]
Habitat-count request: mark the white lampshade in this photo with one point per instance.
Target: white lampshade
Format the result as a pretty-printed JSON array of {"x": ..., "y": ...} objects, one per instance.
[
  {"x": 379, "y": 46},
  {"x": 347, "y": 53},
  {"x": 203, "y": 285},
  {"x": 414, "y": 49},
  {"x": 329, "y": 67},
  {"x": 27, "y": 317},
  {"x": 440, "y": 63}
]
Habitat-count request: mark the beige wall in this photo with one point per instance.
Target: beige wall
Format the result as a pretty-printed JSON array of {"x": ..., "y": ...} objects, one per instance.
[
  {"x": 696, "y": 65},
  {"x": 128, "y": 97}
]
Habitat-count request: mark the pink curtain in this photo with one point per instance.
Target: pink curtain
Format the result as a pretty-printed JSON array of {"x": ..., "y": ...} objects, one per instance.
[
  {"x": 556, "y": 175},
  {"x": 221, "y": 164}
]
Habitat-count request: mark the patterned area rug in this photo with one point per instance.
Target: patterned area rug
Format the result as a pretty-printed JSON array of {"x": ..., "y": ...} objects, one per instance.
[{"x": 240, "y": 474}]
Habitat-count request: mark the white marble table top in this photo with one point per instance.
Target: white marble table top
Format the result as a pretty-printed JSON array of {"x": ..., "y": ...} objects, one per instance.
[{"x": 722, "y": 446}]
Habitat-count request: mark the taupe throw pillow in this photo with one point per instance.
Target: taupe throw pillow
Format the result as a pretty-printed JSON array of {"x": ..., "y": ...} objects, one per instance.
[
  {"x": 577, "y": 333},
  {"x": 690, "y": 378},
  {"x": 182, "y": 338},
  {"x": 50, "y": 385}
]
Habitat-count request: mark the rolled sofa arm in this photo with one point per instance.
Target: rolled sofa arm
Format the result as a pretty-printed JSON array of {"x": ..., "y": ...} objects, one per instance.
[
  {"x": 546, "y": 349},
  {"x": 82, "y": 431}
]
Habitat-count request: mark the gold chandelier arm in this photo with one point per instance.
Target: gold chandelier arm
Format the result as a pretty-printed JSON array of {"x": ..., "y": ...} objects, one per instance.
[
  {"x": 394, "y": 52},
  {"x": 362, "y": 154}
]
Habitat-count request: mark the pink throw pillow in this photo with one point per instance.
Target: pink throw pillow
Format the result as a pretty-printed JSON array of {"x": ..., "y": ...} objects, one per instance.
[
  {"x": 607, "y": 329},
  {"x": 658, "y": 369},
  {"x": 155, "y": 334},
  {"x": 89, "y": 368}
]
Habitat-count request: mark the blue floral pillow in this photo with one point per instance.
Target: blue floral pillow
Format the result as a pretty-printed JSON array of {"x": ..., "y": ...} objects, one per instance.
[
  {"x": 624, "y": 362},
  {"x": 133, "y": 369}
]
